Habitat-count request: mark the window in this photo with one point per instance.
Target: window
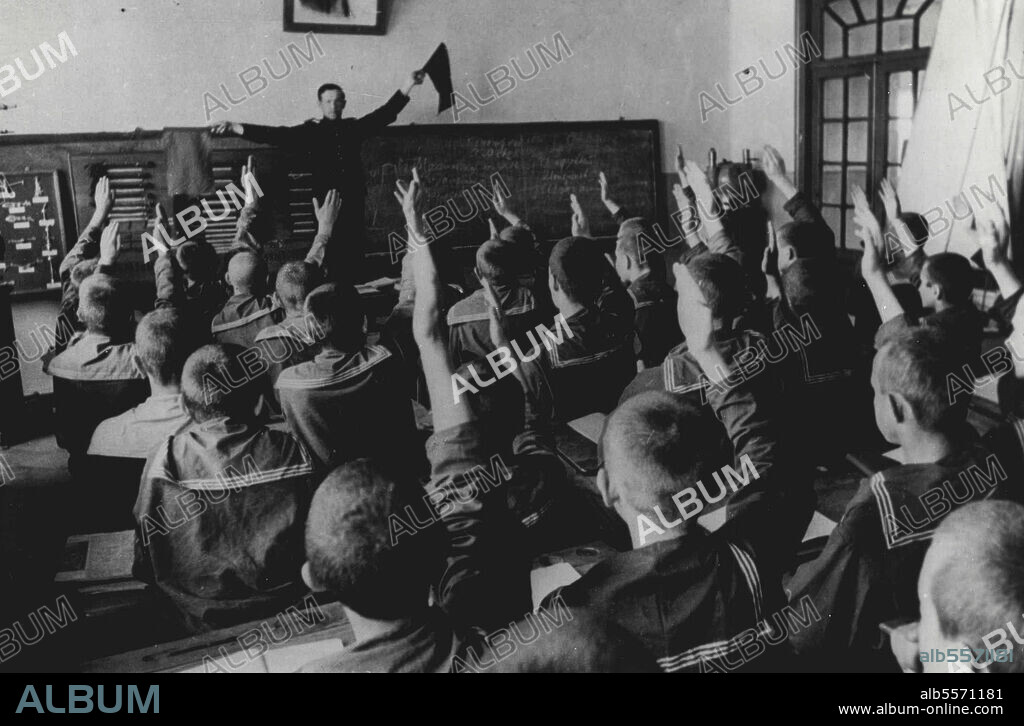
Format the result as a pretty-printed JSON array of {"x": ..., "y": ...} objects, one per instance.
[{"x": 860, "y": 96}]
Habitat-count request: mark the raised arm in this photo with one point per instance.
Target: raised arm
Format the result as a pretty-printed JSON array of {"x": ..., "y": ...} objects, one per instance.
[
  {"x": 387, "y": 114},
  {"x": 326, "y": 215},
  {"x": 689, "y": 216},
  {"x": 284, "y": 136},
  {"x": 710, "y": 216},
  {"x": 994, "y": 240},
  {"x": 244, "y": 238},
  {"x": 870, "y": 233},
  {"x": 87, "y": 245},
  {"x": 797, "y": 205}
]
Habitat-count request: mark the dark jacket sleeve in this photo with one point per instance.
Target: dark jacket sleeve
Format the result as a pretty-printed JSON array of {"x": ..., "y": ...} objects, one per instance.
[
  {"x": 801, "y": 210},
  {"x": 384, "y": 116},
  {"x": 169, "y": 290},
  {"x": 473, "y": 587},
  {"x": 285, "y": 136}
]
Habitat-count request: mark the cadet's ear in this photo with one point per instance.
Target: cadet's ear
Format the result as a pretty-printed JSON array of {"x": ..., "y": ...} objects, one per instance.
[
  {"x": 899, "y": 406},
  {"x": 139, "y": 364},
  {"x": 277, "y": 300},
  {"x": 309, "y": 579},
  {"x": 604, "y": 486},
  {"x": 787, "y": 254},
  {"x": 227, "y": 278}
]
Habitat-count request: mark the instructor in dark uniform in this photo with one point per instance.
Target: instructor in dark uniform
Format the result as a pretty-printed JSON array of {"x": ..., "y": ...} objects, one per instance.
[{"x": 332, "y": 145}]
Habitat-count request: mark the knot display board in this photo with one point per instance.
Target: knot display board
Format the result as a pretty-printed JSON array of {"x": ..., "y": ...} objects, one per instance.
[{"x": 32, "y": 228}]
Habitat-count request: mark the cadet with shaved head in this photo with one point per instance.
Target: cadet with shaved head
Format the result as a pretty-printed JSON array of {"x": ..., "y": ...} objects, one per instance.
[{"x": 223, "y": 502}]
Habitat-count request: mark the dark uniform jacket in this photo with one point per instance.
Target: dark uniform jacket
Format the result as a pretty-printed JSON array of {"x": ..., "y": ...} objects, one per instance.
[
  {"x": 655, "y": 318},
  {"x": 242, "y": 318},
  {"x": 585, "y": 372},
  {"x": 476, "y": 591},
  {"x": 469, "y": 337},
  {"x": 868, "y": 571},
  {"x": 710, "y": 601},
  {"x": 221, "y": 514},
  {"x": 347, "y": 406},
  {"x": 93, "y": 379}
]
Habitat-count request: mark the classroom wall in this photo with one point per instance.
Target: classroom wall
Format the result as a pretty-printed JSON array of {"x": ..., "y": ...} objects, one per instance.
[{"x": 148, "y": 64}]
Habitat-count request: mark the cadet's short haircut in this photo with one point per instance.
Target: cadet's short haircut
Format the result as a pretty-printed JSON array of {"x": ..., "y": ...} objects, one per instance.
[
  {"x": 208, "y": 384},
  {"x": 496, "y": 261},
  {"x": 247, "y": 270},
  {"x": 198, "y": 260},
  {"x": 102, "y": 304},
  {"x": 628, "y": 241},
  {"x": 813, "y": 283},
  {"x": 807, "y": 239},
  {"x": 722, "y": 282},
  {"x": 82, "y": 270},
  {"x": 660, "y": 444},
  {"x": 295, "y": 280},
  {"x": 163, "y": 342},
  {"x": 917, "y": 364},
  {"x": 578, "y": 268},
  {"x": 360, "y": 546},
  {"x": 518, "y": 235},
  {"x": 953, "y": 273},
  {"x": 980, "y": 588},
  {"x": 328, "y": 87},
  {"x": 586, "y": 644},
  {"x": 338, "y": 310}
]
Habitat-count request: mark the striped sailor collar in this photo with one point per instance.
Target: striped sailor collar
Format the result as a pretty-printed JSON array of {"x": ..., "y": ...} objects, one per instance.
[
  {"x": 331, "y": 367},
  {"x": 95, "y": 357},
  {"x": 515, "y": 300}
]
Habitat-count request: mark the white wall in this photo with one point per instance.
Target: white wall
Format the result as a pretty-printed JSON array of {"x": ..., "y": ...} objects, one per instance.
[{"x": 147, "y": 64}]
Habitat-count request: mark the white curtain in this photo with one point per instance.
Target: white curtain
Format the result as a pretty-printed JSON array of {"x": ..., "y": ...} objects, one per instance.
[{"x": 969, "y": 124}]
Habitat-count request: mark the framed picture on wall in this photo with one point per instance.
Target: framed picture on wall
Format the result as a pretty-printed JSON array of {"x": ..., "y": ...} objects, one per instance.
[{"x": 334, "y": 16}]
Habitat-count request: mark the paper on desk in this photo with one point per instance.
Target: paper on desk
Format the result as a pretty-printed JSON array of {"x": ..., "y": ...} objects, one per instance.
[
  {"x": 589, "y": 426},
  {"x": 291, "y": 658},
  {"x": 108, "y": 556},
  {"x": 545, "y": 580}
]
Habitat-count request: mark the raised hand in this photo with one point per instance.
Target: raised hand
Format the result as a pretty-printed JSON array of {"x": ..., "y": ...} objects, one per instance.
[
  {"x": 103, "y": 196},
  {"x": 580, "y": 223},
  {"x": 870, "y": 233},
  {"x": 160, "y": 231},
  {"x": 226, "y": 127},
  {"x": 248, "y": 176},
  {"x": 408, "y": 196},
  {"x": 698, "y": 182},
  {"x": 993, "y": 237},
  {"x": 327, "y": 211},
  {"x": 770, "y": 259},
  {"x": 680, "y": 161},
  {"x": 110, "y": 244},
  {"x": 773, "y": 164},
  {"x": 680, "y": 196},
  {"x": 494, "y": 228},
  {"x": 612, "y": 206},
  {"x": 500, "y": 201},
  {"x": 890, "y": 200}
]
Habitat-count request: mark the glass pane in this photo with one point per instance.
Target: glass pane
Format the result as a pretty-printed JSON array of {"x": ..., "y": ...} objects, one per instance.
[
  {"x": 899, "y": 136},
  {"x": 833, "y": 38},
  {"x": 912, "y": 7},
  {"x": 863, "y": 40},
  {"x": 832, "y": 218},
  {"x": 898, "y": 35},
  {"x": 832, "y": 142},
  {"x": 855, "y": 176},
  {"x": 929, "y": 22},
  {"x": 868, "y": 9},
  {"x": 831, "y": 184},
  {"x": 893, "y": 174},
  {"x": 901, "y": 95},
  {"x": 844, "y": 9},
  {"x": 889, "y": 7},
  {"x": 834, "y": 98},
  {"x": 857, "y": 141},
  {"x": 859, "y": 94}
]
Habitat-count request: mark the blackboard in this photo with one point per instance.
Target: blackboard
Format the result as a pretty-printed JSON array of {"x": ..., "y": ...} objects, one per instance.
[{"x": 541, "y": 163}]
